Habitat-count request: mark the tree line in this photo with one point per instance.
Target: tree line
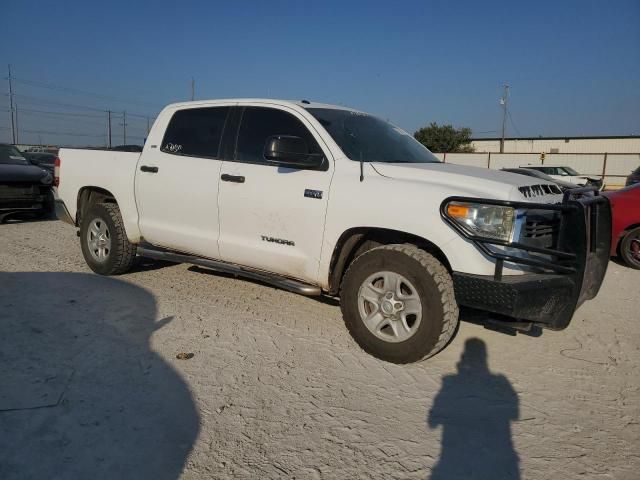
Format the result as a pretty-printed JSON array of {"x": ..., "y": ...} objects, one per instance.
[{"x": 444, "y": 138}]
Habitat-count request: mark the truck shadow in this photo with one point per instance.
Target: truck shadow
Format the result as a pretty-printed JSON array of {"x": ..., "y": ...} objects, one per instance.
[
  {"x": 82, "y": 395},
  {"x": 475, "y": 409}
]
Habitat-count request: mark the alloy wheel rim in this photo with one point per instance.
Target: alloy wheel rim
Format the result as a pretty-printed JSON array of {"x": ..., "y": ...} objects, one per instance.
[
  {"x": 389, "y": 306},
  {"x": 99, "y": 240}
]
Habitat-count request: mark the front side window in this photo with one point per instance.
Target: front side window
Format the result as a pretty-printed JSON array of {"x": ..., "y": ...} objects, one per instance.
[
  {"x": 365, "y": 138},
  {"x": 195, "y": 132},
  {"x": 259, "y": 124}
]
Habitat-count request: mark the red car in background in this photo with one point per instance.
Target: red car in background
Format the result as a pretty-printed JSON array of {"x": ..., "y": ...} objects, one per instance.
[{"x": 625, "y": 234}]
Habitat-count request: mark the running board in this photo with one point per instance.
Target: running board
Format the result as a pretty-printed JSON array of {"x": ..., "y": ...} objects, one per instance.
[{"x": 285, "y": 283}]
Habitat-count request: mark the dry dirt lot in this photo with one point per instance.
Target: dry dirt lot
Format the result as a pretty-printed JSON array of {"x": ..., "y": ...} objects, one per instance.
[{"x": 90, "y": 385}]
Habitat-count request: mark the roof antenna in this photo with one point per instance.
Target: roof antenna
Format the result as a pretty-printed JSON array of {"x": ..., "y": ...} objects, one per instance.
[
  {"x": 361, "y": 167},
  {"x": 306, "y": 102}
]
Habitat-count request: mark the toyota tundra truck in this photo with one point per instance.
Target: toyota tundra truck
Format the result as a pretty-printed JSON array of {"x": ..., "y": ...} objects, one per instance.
[{"x": 326, "y": 200}]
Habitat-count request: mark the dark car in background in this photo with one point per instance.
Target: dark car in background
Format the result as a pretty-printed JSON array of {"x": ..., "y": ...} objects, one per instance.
[
  {"x": 564, "y": 186},
  {"x": 634, "y": 177},
  {"x": 25, "y": 189},
  {"x": 41, "y": 159},
  {"x": 127, "y": 148}
]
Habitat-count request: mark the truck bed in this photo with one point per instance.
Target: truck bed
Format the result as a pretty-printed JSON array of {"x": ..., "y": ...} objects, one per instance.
[{"x": 107, "y": 169}]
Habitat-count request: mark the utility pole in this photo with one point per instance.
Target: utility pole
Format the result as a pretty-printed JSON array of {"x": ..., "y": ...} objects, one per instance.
[
  {"x": 503, "y": 102},
  {"x": 193, "y": 88},
  {"x": 124, "y": 127},
  {"x": 17, "y": 140},
  {"x": 109, "y": 127},
  {"x": 13, "y": 128}
]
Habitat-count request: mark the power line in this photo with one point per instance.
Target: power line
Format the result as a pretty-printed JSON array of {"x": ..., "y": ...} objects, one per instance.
[
  {"x": 65, "y": 114},
  {"x": 70, "y": 134},
  {"x": 513, "y": 124},
  {"x": 43, "y": 101},
  {"x": 75, "y": 91}
]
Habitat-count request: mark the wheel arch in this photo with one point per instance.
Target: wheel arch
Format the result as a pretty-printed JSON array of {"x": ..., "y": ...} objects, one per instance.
[
  {"x": 89, "y": 196},
  {"x": 623, "y": 234},
  {"x": 355, "y": 241}
]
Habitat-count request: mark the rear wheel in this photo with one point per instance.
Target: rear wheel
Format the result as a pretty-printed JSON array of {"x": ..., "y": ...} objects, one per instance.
[
  {"x": 630, "y": 248},
  {"x": 398, "y": 303},
  {"x": 104, "y": 242}
]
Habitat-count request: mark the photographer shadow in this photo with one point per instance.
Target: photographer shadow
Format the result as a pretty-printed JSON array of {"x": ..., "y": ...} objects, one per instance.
[{"x": 475, "y": 409}]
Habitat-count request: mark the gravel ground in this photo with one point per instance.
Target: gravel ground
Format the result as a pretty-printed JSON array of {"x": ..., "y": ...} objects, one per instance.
[{"x": 91, "y": 386}]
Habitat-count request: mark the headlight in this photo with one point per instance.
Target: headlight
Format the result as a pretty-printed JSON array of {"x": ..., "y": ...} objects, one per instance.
[{"x": 492, "y": 221}]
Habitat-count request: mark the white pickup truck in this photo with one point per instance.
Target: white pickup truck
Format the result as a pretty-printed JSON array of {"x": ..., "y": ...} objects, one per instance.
[{"x": 322, "y": 199}]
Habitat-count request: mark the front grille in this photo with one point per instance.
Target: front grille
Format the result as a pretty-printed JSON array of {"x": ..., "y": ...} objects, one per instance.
[
  {"x": 532, "y": 191},
  {"x": 21, "y": 195},
  {"x": 540, "y": 230},
  {"x": 19, "y": 191}
]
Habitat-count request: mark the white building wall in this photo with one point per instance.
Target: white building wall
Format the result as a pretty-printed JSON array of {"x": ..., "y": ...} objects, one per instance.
[
  {"x": 614, "y": 166},
  {"x": 570, "y": 145}
]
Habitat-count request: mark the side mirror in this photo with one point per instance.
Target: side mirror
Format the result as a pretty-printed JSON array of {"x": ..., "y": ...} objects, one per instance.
[{"x": 291, "y": 151}]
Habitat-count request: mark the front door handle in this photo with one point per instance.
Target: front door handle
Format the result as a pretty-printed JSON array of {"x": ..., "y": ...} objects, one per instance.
[
  {"x": 147, "y": 168},
  {"x": 225, "y": 177}
]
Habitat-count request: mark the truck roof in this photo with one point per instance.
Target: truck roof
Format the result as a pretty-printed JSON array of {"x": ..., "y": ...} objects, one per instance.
[{"x": 297, "y": 103}]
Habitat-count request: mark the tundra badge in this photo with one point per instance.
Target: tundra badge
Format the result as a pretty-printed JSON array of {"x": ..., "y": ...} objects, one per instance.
[{"x": 281, "y": 241}]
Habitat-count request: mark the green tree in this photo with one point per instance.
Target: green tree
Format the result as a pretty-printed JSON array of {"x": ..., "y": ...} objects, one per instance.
[{"x": 444, "y": 138}]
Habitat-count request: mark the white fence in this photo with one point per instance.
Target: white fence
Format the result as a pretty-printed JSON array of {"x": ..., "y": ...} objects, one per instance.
[{"x": 613, "y": 167}]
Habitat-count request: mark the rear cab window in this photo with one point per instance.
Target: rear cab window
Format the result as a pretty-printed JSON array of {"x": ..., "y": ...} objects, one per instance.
[{"x": 196, "y": 132}]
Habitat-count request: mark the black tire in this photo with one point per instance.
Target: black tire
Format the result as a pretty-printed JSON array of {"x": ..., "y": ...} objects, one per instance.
[
  {"x": 121, "y": 254},
  {"x": 626, "y": 252},
  {"x": 434, "y": 287}
]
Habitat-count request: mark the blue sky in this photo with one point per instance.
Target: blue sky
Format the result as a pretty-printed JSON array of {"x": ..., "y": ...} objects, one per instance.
[{"x": 573, "y": 66}]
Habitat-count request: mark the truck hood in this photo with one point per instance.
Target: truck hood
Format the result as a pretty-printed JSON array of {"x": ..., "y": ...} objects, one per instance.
[
  {"x": 474, "y": 181},
  {"x": 11, "y": 173}
]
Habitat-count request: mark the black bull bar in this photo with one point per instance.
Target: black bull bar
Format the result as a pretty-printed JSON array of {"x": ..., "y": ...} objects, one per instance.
[{"x": 565, "y": 273}]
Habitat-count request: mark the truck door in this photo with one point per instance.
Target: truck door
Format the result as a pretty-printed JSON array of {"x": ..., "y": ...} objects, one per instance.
[
  {"x": 177, "y": 182},
  {"x": 272, "y": 217}
]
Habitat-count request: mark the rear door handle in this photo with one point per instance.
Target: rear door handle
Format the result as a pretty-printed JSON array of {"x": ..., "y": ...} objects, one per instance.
[
  {"x": 147, "y": 168},
  {"x": 225, "y": 177}
]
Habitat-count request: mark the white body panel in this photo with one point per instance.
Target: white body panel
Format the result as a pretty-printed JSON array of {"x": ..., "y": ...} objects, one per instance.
[
  {"x": 271, "y": 204},
  {"x": 111, "y": 171},
  {"x": 178, "y": 205},
  {"x": 192, "y": 211}
]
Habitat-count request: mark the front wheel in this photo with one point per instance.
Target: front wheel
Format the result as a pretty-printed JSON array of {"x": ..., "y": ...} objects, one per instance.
[
  {"x": 630, "y": 248},
  {"x": 104, "y": 242},
  {"x": 398, "y": 303}
]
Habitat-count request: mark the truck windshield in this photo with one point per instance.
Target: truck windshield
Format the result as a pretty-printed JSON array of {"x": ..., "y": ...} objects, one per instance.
[
  {"x": 11, "y": 155},
  {"x": 363, "y": 137}
]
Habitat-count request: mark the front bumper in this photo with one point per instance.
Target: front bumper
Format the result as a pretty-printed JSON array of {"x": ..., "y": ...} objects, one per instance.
[
  {"x": 22, "y": 199},
  {"x": 569, "y": 271}
]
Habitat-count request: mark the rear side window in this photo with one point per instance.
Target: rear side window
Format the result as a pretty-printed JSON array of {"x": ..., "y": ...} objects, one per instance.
[
  {"x": 195, "y": 132},
  {"x": 258, "y": 124}
]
